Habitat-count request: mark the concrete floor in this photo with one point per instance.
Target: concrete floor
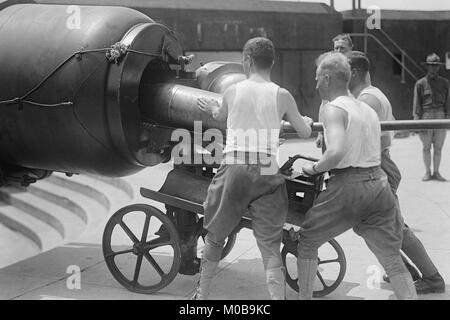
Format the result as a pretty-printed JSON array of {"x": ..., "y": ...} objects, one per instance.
[{"x": 425, "y": 207}]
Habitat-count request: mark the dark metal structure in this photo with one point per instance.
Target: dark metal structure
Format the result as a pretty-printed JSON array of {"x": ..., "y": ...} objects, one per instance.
[
  {"x": 63, "y": 105},
  {"x": 94, "y": 98}
]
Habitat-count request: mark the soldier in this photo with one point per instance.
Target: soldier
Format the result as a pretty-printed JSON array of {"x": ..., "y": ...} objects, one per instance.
[
  {"x": 357, "y": 195},
  {"x": 253, "y": 105},
  {"x": 361, "y": 87},
  {"x": 342, "y": 43},
  {"x": 432, "y": 101}
]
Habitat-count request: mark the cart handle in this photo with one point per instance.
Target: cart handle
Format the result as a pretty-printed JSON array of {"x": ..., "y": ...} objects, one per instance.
[{"x": 286, "y": 168}]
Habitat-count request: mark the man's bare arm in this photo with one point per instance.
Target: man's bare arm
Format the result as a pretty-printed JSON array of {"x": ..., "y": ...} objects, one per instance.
[
  {"x": 375, "y": 104},
  {"x": 287, "y": 104},
  {"x": 320, "y": 139},
  {"x": 334, "y": 120}
]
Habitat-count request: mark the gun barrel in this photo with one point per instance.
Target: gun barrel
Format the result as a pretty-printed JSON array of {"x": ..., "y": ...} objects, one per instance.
[{"x": 175, "y": 106}]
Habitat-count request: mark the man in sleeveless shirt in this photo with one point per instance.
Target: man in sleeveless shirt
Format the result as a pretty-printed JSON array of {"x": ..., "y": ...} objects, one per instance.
[
  {"x": 361, "y": 87},
  {"x": 243, "y": 184},
  {"x": 341, "y": 43},
  {"x": 358, "y": 194}
]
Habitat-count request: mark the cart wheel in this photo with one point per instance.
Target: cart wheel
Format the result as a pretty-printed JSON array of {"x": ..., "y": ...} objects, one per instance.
[
  {"x": 327, "y": 268},
  {"x": 229, "y": 242},
  {"x": 158, "y": 253}
]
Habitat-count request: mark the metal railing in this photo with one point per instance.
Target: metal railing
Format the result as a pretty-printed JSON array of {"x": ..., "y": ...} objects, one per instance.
[
  {"x": 397, "y": 125},
  {"x": 403, "y": 52},
  {"x": 401, "y": 61}
]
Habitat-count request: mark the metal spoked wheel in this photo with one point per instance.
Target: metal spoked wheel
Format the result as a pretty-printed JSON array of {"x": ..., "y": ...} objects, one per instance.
[
  {"x": 330, "y": 269},
  {"x": 139, "y": 256}
]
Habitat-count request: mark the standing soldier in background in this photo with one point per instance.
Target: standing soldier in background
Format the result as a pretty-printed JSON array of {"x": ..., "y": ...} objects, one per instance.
[
  {"x": 432, "y": 101},
  {"x": 361, "y": 87}
]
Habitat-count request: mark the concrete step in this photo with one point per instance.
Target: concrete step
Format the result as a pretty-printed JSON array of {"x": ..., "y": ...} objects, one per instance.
[
  {"x": 14, "y": 246},
  {"x": 118, "y": 191},
  {"x": 111, "y": 193},
  {"x": 120, "y": 183},
  {"x": 59, "y": 210},
  {"x": 60, "y": 200},
  {"x": 69, "y": 224},
  {"x": 99, "y": 198},
  {"x": 42, "y": 234},
  {"x": 23, "y": 201},
  {"x": 62, "y": 182}
]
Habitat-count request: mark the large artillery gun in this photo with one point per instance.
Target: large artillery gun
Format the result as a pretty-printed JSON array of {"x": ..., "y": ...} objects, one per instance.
[
  {"x": 101, "y": 97},
  {"x": 104, "y": 97}
]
